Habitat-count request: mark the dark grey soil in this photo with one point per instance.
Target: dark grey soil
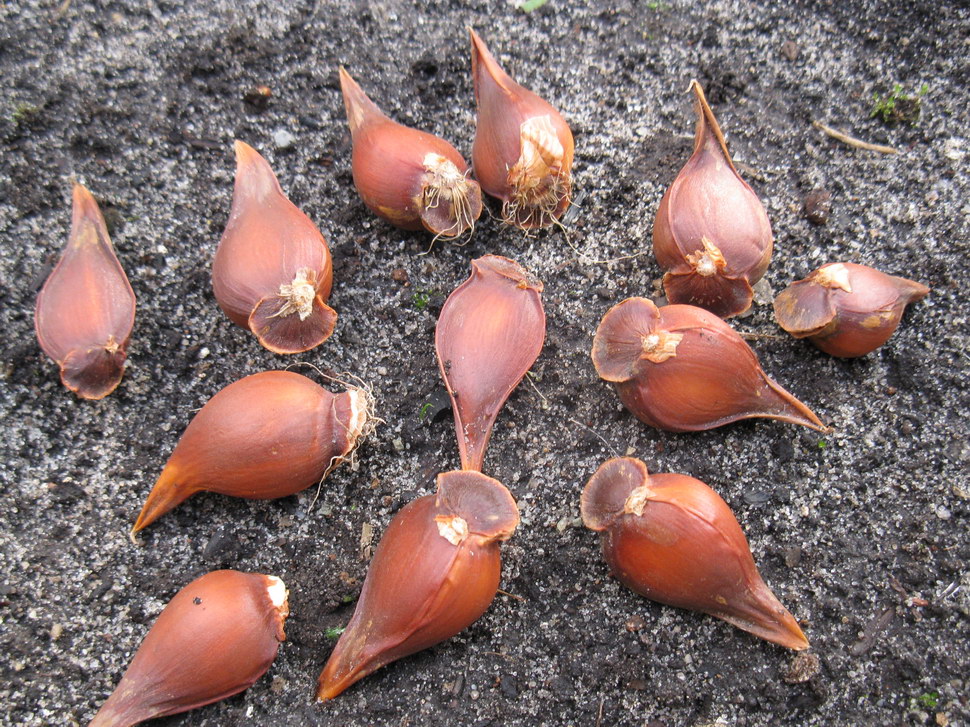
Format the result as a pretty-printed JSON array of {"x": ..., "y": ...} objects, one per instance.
[{"x": 862, "y": 533}]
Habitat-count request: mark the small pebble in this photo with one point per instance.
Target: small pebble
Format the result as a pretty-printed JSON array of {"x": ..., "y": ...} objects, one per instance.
[
  {"x": 818, "y": 206},
  {"x": 790, "y": 50},
  {"x": 283, "y": 139}
]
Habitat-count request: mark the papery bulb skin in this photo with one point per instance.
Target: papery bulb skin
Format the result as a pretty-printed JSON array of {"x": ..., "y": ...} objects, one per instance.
[
  {"x": 523, "y": 150},
  {"x": 683, "y": 369},
  {"x": 272, "y": 272},
  {"x": 408, "y": 177},
  {"x": 86, "y": 309},
  {"x": 671, "y": 538},
  {"x": 711, "y": 236},
  {"x": 267, "y": 435},
  {"x": 435, "y": 572},
  {"x": 845, "y": 309},
  {"x": 490, "y": 332},
  {"x": 215, "y": 638}
]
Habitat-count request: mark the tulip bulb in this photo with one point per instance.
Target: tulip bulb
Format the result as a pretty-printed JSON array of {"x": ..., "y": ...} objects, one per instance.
[
  {"x": 683, "y": 369},
  {"x": 523, "y": 149},
  {"x": 435, "y": 572},
  {"x": 267, "y": 435},
  {"x": 410, "y": 178},
  {"x": 215, "y": 638},
  {"x": 86, "y": 309},
  {"x": 711, "y": 234},
  {"x": 846, "y": 309},
  {"x": 489, "y": 334},
  {"x": 272, "y": 272},
  {"x": 671, "y": 538}
]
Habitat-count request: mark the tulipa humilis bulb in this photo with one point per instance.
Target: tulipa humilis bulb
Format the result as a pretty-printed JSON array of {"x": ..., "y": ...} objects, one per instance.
[
  {"x": 410, "y": 178},
  {"x": 711, "y": 235},
  {"x": 86, "y": 309},
  {"x": 267, "y": 435},
  {"x": 489, "y": 334},
  {"x": 846, "y": 309},
  {"x": 523, "y": 149},
  {"x": 435, "y": 572},
  {"x": 272, "y": 272},
  {"x": 215, "y": 638},
  {"x": 672, "y": 539},
  {"x": 683, "y": 369}
]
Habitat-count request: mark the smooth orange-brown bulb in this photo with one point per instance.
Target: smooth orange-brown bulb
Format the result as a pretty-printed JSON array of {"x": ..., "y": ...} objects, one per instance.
[
  {"x": 523, "y": 150},
  {"x": 272, "y": 272},
  {"x": 489, "y": 334},
  {"x": 711, "y": 234},
  {"x": 268, "y": 435},
  {"x": 410, "y": 178},
  {"x": 683, "y": 369},
  {"x": 86, "y": 309},
  {"x": 846, "y": 309},
  {"x": 434, "y": 573},
  {"x": 215, "y": 638},
  {"x": 671, "y": 538}
]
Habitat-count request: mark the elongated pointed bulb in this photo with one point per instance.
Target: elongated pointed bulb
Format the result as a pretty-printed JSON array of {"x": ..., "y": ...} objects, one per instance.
[
  {"x": 671, "y": 538},
  {"x": 272, "y": 272},
  {"x": 86, "y": 309}
]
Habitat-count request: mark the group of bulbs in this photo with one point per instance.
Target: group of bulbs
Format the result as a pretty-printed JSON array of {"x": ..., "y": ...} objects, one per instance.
[{"x": 679, "y": 367}]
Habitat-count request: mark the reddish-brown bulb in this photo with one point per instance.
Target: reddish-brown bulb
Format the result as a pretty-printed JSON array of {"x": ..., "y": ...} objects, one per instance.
[
  {"x": 671, "y": 538},
  {"x": 846, "y": 309},
  {"x": 711, "y": 235},
  {"x": 86, "y": 309},
  {"x": 683, "y": 369},
  {"x": 489, "y": 334},
  {"x": 215, "y": 638},
  {"x": 410, "y": 178},
  {"x": 523, "y": 150},
  {"x": 434, "y": 573},
  {"x": 268, "y": 435},
  {"x": 272, "y": 272}
]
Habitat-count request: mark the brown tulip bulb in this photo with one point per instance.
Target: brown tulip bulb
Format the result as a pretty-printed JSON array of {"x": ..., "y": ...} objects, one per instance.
[
  {"x": 672, "y": 539},
  {"x": 683, "y": 369},
  {"x": 846, "y": 309},
  {"x": 523, "y": 149},
  {"x": 410, "y": 178},
  {"x": 434, "y": 573},
  {"x": 711, "y": 235},
  {"x": 268, "y": 435},
  {"x": 86, "y": 309},
  {"x": 272, "y": 272},
  {"x": 215, "y": 638},
  {"x": 489, "y": 334}
]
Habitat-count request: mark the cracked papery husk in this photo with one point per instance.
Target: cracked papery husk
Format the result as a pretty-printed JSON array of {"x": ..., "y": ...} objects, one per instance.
[
  {"x": 711, "y": 235},
  {"x": 408, "y": 177},
  {"x": 215, "y": 638},
  {"x": 523, "y": 150},
  {"x": 434, "y": 573},
  {"x": 671, "y": 538},
  {"x": 681, "y": 368},
  {"x": 845, "y": 309},
  {"x": 86, "y": 310},
  {"x": 272, "y": 271},
  {"x": 265, "y": 436}
]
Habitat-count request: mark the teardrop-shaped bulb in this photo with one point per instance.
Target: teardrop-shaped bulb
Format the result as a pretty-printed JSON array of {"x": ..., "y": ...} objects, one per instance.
[
  {"x": 489, "y": 334},
  {"x": 410, "y": 178},
  {"x": 267, "y": 435},
  {"x": 215, "y": 638},
  {"x": 846, "y": 309},
  {"x": 711, "y": 234},
  {"x": 671, "y": 538},
  {"x": 272, "y": 272},
  {"x": 86, "y": 309},
  {"x": 435, "y": 572},
  {"x": 683, "y": 369},
  {"x": 523, "y": 150}
]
